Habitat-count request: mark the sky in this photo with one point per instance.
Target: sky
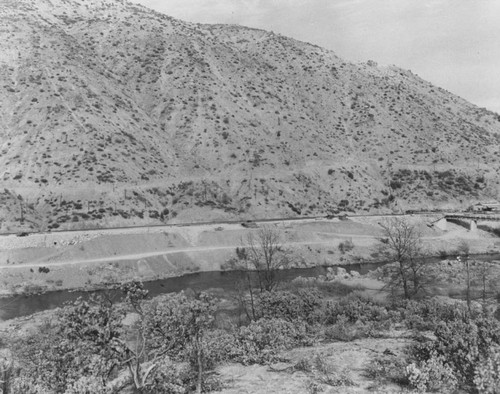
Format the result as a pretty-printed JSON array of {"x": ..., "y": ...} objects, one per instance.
[{"x": 454, "y": 44}]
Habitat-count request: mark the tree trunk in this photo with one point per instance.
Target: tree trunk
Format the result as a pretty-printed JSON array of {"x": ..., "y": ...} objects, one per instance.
[
  {"x": 468, "y": 285},
  {"x": 200, "y": 365},
  {"x": 252, "y": 305},
  {"x": 404, "y": 280}
]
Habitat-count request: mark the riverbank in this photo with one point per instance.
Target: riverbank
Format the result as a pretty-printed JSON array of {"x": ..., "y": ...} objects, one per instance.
[{"x": 89, "y": 260}]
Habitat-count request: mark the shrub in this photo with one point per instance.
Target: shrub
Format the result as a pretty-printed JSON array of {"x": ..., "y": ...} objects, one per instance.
[
  {"x": 433, "y": 374},
  {"x": 428, "y": 314},
  {"x": 325, "y": 373},
  {"x": 388, "y": 369},
  {"x": 24, "y": 384},
  {"x": 88, "y": 385},
  {"x": 395, "y": 185},
  {"x": 341, "y": 330},
  {"x": 355, "y": 308},
  {"x": 220, "y": 346},
  {"x": 302, "y": 305},
  {"x": 355, "y": 317},
  {"x": 313, "y": 387},
  {"x": 346, "y": 246},
  {"x": 304, "y": 365},
  {"x": 170, "y": 378},
  {"x": 263, "y": 339},
  {"x": 337, "y": 288},
  {"x": 462, "y": 344},
  {"x": 487, "y": 372}
]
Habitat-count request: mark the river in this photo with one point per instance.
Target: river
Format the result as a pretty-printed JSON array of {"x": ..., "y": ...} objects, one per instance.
[{"x": 23, "y": 305}]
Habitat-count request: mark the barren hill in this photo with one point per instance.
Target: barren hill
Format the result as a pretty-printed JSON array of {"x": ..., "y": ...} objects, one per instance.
[{"x": 112, "y": 113}]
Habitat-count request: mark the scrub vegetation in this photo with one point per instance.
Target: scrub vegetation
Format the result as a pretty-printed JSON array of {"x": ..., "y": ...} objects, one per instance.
[{"x": 181, "y": 342}]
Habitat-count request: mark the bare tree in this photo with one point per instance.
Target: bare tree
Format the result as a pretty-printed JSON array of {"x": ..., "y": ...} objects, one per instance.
[
  {"x": 463, "y": 251},
  {"x": 486, "y": 278},
  {"x": 477, "y": 273},
  {"x": 261, "y": 257},
  {"x": 402, "y": 244},
  {"x": 266, "y": 255}
]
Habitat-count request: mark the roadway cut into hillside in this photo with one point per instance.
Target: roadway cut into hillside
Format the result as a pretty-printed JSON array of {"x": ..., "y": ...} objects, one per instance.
[{"x": 89, "y": 259}]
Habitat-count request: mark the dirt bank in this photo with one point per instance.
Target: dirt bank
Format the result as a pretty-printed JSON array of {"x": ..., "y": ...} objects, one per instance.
[{"x": 89, "y": 259}]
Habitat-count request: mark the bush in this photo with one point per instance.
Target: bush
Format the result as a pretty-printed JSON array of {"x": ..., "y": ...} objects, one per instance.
[
  {"x": 88, "y": 385},
  {"x": 388, "y": 369},
  {"x": 355, "y": 308},
  {"x": 337, "y": 288},
  {"x": 487, "y": 372},
  {"x": 261, "y": 340},
  {"x": 433, "y": 374},
  {"x": 325, "y": 373},
  {"x": 355, "y": 317},
  {"x": 220, "y": 346},
  {"x": 302, "y": 305},
  {"x": 304, "y": 365},
  {"x": 427, "y": 314},
  {"x": 395, "y": 185},
  {"x": 462, "y": 344},
  {"x": 170, "y": 378},
  {"x": 25, "y": 385},
  {"x": 346, "y": 246}
]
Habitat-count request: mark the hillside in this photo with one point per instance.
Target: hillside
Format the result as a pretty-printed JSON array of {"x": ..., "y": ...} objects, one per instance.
[{"x": 112, "y": 113}]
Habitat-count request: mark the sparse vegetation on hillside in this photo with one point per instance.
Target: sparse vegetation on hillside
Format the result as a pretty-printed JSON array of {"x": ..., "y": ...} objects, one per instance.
[{"x": 112, "y": 108}]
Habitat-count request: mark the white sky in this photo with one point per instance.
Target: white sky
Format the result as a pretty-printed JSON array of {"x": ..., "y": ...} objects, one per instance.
[{"x": 454, "y": 44}]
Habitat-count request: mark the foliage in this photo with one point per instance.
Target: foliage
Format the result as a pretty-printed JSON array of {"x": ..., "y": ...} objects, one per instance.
[
  {"x": 487, "y": 372},
  {"x": 26, "y": 385},
  {"x": 261, "y": 340},
  {"x": 81, "y": 342},
  {"x": 388, "y": 369},
  {"x": 304, "y": 365},
  {"x": 325, "y": 373},
  {"x": 175, "y": 325},
  {"x": 461, "y": 344},
  {"x": 82, "y": 350},
  {"x": 174, "y": 347},
  {"x": 6, "y": 369},
  {"x": 354, "y": 317},
  {"x": 173, "y": 320},
  {"x": 346, "y": 246},
  {"x": 304, "y": 305},
  {"x": 169, "y": 378},
  {"x": 313, "y": 387},
  {"x": 427, "y": 314},
  {"x": 355, "y": 308},
  {"x": 88, "y": 385},
  {"x": 134, "y": 294},
  {"x": 433, "y": 374},
  {"x": 221, "y": 346}
]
